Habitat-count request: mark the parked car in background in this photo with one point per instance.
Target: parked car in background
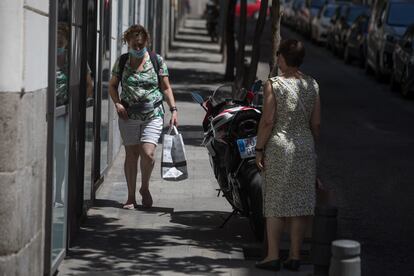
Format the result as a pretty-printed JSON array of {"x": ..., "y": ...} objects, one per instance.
[
  {"x": 288, "y": 12},
  {"x": 403, "y": 67},
  {"x": 356, "y": 36},
  {"x": 385, "y": 29},
  {"x": 298, "y": 6},
  {"x": 322, "y": 22},
  {"x": 309, "y": 11},
  {"x": 342, "y": 26},
  {"x": 339, "y": 12}
]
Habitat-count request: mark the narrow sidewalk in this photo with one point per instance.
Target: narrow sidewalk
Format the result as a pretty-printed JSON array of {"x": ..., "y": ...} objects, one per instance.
[{"x": 180, "y": 234}]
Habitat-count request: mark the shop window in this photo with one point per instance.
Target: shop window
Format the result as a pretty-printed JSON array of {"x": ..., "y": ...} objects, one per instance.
[
  {"x": 106, "y": 73},
  {"x": 90, "y": 100},
  {"x": 61, "y": 134}
]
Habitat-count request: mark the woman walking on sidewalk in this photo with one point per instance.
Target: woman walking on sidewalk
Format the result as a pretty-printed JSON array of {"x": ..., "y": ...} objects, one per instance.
[
  {"x": 144, "y": 79},
  {"x": 286, "y": 154}
]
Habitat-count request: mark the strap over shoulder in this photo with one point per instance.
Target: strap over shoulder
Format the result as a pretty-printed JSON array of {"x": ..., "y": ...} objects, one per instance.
[
  {"x": 274, "y": 82},
  {"x": 156, "y": 64},
  {"x": 291, "y": 90},
  {"x": 274, "y": 79},
  {"x": 122, "y": 62},
  {"x": 121, "y": 65}
]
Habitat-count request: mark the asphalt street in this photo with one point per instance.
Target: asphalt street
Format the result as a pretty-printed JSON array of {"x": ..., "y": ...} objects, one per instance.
[{"x": 366, "y": 155}]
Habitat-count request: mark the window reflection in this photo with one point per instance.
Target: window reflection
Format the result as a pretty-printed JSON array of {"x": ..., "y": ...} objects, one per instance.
[
  {"x": 90, "y": 91},
  {"x": 62, "y": 72},
  {"x": 106, "y": 60},
  {"x": 61, "y": 133}
]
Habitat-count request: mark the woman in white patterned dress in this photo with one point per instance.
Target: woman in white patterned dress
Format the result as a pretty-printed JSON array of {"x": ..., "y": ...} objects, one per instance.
[{"x": 285, "y": 153}]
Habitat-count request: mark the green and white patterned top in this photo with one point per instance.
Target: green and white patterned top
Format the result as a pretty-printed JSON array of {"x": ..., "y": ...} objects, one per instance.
[
  {"x": 142, "y": 87},
  {"x": 61, "y": 87}
]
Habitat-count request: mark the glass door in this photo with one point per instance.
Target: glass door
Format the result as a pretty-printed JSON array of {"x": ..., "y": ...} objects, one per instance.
[
  {"x": 61, "y": 135},
  {"x": 106, "y": 73}
]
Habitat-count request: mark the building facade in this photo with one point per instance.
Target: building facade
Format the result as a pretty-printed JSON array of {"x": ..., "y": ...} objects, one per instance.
[{"x": 58, "y": 128}]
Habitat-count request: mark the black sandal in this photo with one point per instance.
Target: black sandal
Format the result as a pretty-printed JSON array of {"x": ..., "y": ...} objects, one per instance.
[
  {"x": 292, "y": 265},
  {"x": 273, "y": 265}
]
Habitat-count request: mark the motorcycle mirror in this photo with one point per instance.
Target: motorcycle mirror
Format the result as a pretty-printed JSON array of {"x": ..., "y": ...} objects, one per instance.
[{"x": 197, "y": 98}]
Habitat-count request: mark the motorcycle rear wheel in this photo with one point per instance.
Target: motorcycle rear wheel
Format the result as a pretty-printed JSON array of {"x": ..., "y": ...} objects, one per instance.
[{"x": 255, "y": 199}]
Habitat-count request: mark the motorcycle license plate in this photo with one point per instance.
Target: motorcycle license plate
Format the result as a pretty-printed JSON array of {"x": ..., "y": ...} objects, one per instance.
[{"x": 246, "y": 147}]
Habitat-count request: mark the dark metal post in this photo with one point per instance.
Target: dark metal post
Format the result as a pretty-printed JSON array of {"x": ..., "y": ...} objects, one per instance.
[
  {"x": 98, "y": 99},
  {"x": 50, "y": 117}
]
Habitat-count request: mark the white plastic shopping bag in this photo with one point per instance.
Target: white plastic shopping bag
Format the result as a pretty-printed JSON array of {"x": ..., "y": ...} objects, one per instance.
[{"x": 173, "y": 161}]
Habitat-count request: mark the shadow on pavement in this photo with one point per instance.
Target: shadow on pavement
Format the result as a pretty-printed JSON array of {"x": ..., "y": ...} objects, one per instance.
[
  {"x": 194, "y": 76},
  {"x": 109, "y": 246},
  {"x": 183, "y": 94},
  {"x": 194, "y": 27},
  {"x": 200, "y": 218},
  {"x": 200, "y": 58},
  {"x": 107, "y": 203},
  {"x": 193, "y": 32},
  {"x": 98, "y": 203},
  {"x": 187, "y": 38},
  {"x": 190, "y": 48}
]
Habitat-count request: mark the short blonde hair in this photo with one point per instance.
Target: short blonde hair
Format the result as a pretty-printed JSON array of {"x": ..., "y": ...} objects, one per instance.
[{"x": 136, "y": 29}]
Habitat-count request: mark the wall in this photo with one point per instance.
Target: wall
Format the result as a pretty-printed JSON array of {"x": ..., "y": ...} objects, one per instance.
[
  {"x": 166, "y": 27},
  {"x": 23, "y": 51}
]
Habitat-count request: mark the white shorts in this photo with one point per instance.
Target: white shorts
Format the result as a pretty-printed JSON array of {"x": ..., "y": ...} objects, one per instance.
[{"x": 135, "y": 132}]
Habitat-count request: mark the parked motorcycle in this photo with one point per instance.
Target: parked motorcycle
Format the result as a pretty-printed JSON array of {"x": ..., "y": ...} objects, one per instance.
[{"x": 230, "y": 130}]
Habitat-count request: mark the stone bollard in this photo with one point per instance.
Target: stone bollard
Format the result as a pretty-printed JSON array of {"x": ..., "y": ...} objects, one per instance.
[
  {"x": 323, "y": 233},
  {"x": 345, "y": 258}
]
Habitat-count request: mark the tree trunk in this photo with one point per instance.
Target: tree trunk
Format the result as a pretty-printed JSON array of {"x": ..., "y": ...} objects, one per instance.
[
  {"x": 276, "y": 17},
  {"x": 230, "y": 47},
  {"x": 261, "y": 21},
  {"x": 241, "y": 42}
]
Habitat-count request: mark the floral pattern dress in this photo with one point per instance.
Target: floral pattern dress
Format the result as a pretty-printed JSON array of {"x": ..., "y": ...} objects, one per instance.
[
  {"x": 290, "y": 166},
  {"x": 142, "y": 86}
]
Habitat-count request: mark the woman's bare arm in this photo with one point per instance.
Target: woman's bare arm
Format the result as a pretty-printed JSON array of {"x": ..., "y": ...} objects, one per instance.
[
  {"x": 113, "y": 92},
  {"x": 169, "y": 98},
  {"x": 266, "y": 122}
]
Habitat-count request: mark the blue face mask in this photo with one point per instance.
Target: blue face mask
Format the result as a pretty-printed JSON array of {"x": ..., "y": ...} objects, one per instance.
[
  {"x": 138, "y": 53},
  {"x": 61, "y": 51}
]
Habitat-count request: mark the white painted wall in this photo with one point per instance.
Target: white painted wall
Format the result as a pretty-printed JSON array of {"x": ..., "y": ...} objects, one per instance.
[
  {"x": 40, "y": 5},
  {"x": 11, "y": 45},
  {"x": 36, "y": 40},
  {"x": 142, "y": 15},
  {"x": 24, "y": 27}
]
